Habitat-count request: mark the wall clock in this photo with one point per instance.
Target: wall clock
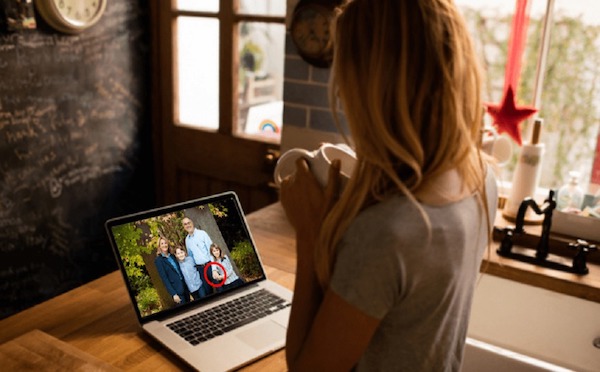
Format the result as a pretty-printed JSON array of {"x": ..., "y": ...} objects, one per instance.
[
  {"x": 71, "y": 16},
  {"x": 310, "y": 31}
]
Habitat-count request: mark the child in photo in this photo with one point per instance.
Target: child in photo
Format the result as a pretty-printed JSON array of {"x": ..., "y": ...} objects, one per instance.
[
  {"x": 231, "y": 278},
  {"x": 190, "y": 274}
]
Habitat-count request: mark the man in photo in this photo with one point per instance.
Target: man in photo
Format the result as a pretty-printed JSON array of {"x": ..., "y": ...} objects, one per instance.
[{"x": 198, "y": 243}]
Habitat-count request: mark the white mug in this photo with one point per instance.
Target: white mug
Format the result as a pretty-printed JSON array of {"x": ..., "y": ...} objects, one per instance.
[
  {"x": 319, "y": 161},
  {"x": 498, "y": 146}
]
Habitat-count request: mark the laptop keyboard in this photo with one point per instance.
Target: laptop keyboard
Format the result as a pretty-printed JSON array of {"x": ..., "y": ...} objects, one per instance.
[{"x": 230, "y": 315}]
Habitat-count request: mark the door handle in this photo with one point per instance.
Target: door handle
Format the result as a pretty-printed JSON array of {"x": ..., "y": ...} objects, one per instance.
[{"x": 271, "y": 158}]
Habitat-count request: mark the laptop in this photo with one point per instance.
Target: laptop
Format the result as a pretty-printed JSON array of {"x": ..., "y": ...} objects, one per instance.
[{"x": 235, "y": 316}]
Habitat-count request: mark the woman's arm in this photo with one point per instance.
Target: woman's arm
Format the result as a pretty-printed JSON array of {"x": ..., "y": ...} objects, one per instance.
[
  {"x": 338, "y": 336},
  {"x": 325, "y": 332}
]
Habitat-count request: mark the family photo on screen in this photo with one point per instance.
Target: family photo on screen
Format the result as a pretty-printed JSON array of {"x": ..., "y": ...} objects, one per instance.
[{"x": 186, "y": 255}]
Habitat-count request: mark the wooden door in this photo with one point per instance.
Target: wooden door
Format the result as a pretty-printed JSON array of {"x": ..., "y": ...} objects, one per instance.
[{"x": 192, "y": 162}]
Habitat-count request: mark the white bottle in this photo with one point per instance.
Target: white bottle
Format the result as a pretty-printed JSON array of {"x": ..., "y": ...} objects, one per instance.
[
  {"x": 570, "y": 196},
  {"x": 527, "y": 174}
]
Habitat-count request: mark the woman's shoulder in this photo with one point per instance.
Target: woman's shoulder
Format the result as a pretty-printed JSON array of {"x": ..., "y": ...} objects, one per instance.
[
  {"x": 390, "y": 206},
  {"x": 395, "y": 217}
]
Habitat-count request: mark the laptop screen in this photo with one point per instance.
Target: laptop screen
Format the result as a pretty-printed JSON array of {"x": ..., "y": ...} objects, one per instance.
[{"x": 176, "y": 256}]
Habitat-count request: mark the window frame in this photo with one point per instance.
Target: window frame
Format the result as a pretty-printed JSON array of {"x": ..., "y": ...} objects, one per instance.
[{"x": 229, "y": 19}]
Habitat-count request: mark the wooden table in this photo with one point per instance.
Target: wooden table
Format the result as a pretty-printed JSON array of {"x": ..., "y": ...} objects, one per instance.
[{"x": 95, "y": 326}]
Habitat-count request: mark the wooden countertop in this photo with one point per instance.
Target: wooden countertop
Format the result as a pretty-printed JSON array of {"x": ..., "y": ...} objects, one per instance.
[
  {"x": 96, "y": 326},
  {"x": 98, "y": 322}
]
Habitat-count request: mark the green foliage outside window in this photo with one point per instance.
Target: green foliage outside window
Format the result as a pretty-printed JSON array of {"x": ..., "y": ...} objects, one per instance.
[{"x": 571, "y": 91}]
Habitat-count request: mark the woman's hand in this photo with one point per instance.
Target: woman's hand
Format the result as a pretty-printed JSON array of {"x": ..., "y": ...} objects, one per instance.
[
  {"x": 305, "y": 201},
  {"x": 176, "y": 299}
]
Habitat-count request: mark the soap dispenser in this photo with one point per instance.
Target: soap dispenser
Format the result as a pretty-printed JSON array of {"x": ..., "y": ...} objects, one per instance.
[{"x": 570, "y": 196}]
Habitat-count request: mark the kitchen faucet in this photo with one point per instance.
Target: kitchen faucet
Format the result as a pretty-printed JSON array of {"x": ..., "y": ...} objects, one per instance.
[{"x": 541, "y": 252}]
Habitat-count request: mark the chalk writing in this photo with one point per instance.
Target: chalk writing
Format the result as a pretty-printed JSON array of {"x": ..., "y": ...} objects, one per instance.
[{"x": 72, "y": 108}]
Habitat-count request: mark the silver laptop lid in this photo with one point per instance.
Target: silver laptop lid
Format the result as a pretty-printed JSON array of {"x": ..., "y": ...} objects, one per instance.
[{"x": 163, "y": 259}]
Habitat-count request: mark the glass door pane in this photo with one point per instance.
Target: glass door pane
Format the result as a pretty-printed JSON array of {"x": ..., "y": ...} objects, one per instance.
[
  {"x": 198, "y": 5},
  {"x": 263, "y": 7},
  {"x": 260, "y": 85},
  {"x": 197, "y": 72}
]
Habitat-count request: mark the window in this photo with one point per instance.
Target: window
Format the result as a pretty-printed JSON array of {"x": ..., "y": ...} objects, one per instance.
[
  {"x": 255, "y": 30},
  {"x": 198, "y": 71},
  {"x": 570, "y": 95}
]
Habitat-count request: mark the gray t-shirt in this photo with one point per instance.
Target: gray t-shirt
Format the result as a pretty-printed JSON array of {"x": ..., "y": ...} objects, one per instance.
[{"x": 421, "y": 292}]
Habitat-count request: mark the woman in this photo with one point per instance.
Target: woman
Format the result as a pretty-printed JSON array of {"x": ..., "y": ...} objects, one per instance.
[
  {"x": 386, "y": 272},
  {"x": 170, "y": 273}
]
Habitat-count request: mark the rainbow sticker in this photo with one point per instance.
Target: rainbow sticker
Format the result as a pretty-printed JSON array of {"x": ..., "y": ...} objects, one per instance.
[{"x": 268, "y": 125}]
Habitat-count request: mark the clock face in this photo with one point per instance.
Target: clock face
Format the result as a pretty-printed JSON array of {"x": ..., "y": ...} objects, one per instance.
[
  {"x": 310, "y": 31},
  {"x": 71, "y": 16},
  {"x": 79, "y": 12}
]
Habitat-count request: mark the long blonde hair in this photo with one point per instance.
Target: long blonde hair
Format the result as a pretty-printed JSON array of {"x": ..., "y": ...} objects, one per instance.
[{"x": 409, "y": 83}]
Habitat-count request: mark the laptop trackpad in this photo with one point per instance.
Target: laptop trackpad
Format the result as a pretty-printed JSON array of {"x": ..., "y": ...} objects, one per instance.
[{"x": 263, "y": 335}]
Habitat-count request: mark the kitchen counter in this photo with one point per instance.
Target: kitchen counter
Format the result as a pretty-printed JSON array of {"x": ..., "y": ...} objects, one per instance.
[{"x": 95, "y": 326}]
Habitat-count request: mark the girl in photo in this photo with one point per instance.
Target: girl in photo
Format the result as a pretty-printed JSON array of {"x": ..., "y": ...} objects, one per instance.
[{"x": 230, "y": 277}]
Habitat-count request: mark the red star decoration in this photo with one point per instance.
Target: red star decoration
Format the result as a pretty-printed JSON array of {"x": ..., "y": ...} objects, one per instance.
[{"x": 508, "y": 116}]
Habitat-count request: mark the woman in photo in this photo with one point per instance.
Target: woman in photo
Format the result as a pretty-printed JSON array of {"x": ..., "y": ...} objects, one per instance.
[{"x": 170, "y": 273}]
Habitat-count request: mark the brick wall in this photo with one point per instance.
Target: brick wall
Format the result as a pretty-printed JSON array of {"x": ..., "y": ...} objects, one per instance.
[{"x": 307, "y": 120}]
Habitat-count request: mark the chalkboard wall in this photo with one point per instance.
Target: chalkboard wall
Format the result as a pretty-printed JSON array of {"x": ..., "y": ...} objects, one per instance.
[{"x": 74, "y": 149}]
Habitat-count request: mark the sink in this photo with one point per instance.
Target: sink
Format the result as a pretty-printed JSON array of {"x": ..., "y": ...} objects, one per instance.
[
  {"x": 517, "y": 327},
  {"x": 481, "y": 356}
]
